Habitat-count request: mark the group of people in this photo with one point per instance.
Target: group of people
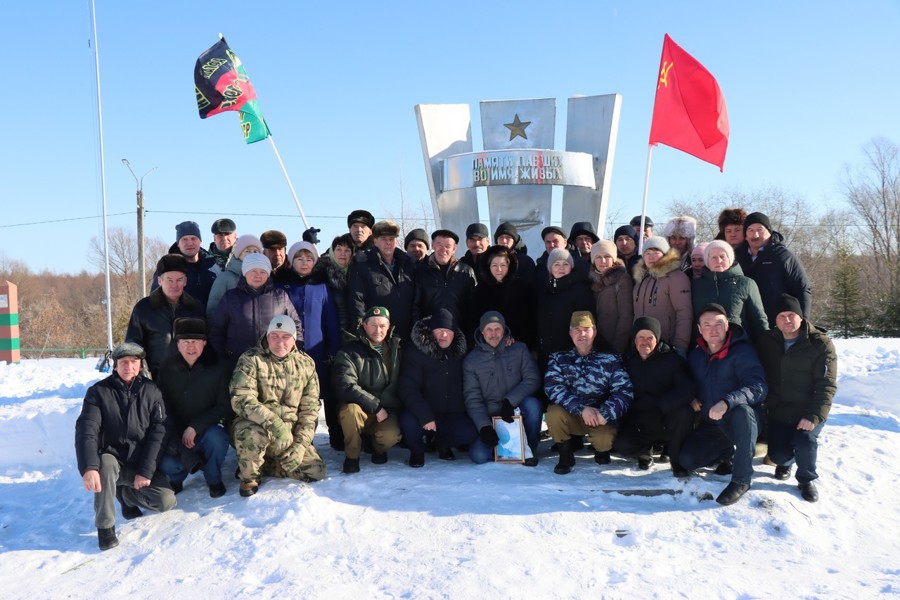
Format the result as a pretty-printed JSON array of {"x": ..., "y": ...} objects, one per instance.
[{"x": 237, "y": 346}]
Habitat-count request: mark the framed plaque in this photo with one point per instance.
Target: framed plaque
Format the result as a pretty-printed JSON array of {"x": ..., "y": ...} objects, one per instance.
[{"x": 511, "y": 447}]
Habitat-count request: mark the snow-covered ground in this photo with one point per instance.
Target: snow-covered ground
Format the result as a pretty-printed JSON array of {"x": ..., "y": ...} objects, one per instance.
[{"x": 456, "y": 530}]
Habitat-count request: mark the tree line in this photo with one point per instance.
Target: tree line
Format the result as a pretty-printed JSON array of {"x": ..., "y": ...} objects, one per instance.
[{"x": 851, "y": 254}]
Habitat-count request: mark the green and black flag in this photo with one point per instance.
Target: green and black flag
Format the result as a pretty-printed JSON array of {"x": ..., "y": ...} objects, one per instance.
[{"x": 221, "y": 84}]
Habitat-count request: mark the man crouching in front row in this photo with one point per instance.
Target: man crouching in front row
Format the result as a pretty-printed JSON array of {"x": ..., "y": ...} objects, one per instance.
[{"x": 118, "y": 437}]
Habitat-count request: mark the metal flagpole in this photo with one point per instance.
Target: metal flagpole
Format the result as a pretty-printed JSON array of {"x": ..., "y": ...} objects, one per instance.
[
  {"x": 640, "y": 249},
  {"x": 290, "y": 185},
  {"x": 103, "y": 364}
]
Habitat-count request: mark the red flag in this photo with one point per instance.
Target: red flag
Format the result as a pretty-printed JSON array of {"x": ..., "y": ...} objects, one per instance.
[{"x": 689, "y": 113}]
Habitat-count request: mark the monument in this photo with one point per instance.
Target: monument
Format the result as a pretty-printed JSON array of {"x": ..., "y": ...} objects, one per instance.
[{"x": 519, "y": 165}]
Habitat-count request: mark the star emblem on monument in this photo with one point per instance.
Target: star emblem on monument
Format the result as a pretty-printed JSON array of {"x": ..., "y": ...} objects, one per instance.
[{"x": 517, "y": 128}]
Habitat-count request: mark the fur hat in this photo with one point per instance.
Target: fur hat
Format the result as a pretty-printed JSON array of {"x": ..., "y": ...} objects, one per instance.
[
  {"x": 273, "y": 239},
  {"x": 683, "y": 226},
  {"x": 282, "y": 323},
  {"x": 718, "y": 245},
  {"x": 583, "y": 228},
  {"x": 361, "y": 216},
  {"x": 731, "y": 216},
  {"x": 128, "y": 349},
  {"x": 189, "y": 328},
  {"x": 658, "y": 242},
  {"x": 298, "y": 246},
  {"x": 507, "y": 228},
  {"x": 602, "y": 246},
  {"x": 416, "y": 235},
  {"x": 757, "y": 217},
  {"x": 788, "y": 303},
  {"x": 581, "y": 318},
  {"x": 187, "y": 228},
  {"x": 172, "y": 262},
  {"x": 223, "y": 226},
  {"x": 256, "y": 261},
  {"x": 559, "y": 254},
  {"x": 385, "y": 229},
  {"x": 244, "y": 242},
  {"x": 648, "y": 323}
]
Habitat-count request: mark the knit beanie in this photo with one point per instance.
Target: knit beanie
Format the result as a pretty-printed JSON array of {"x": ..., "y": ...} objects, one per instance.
[
  {"x": 256, "y": 261},
  {"x": 648, "y": 323},
  {"x": 298, "y": 246},
  {"x": 759, "y": 218},
  {"x": 718, "y": 245},
  {"x": 603, "y": 247},
  {"x": 244, "y": 242},
  {"x": 559, "y": 254},
  {"x": 656, "y": 242}
]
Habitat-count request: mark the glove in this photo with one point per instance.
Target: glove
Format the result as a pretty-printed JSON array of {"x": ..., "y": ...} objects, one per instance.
[
  {"x": 507, "y": 411},
  {"x": 488, "y": 436},
  {"x": 292, "y": 458},
  {"x": 281, "y": 435},
  {"x": 310, "y": 235}
]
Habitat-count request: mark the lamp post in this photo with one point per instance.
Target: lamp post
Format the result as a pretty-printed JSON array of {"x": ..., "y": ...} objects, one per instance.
[{"x": 140, "y": 223}]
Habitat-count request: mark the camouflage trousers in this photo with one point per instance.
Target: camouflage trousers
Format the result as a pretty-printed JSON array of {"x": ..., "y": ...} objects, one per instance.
[{"x": 256, "y": 456}]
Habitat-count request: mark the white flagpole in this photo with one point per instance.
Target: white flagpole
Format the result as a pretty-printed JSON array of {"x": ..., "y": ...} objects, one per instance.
[
  {"x": 290, "y": 185},
  {"x": 109, "y": 337},
  {"x": 640, "y": 249}
]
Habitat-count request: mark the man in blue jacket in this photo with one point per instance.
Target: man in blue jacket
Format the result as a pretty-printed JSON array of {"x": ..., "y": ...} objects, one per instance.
[{"x": 730, "y": 385}]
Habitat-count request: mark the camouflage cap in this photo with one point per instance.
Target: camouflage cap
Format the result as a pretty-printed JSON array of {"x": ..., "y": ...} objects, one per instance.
[{"x": 581, "y": 318}]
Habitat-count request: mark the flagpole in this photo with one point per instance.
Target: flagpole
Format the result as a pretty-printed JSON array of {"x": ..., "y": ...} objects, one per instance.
[
  {"x": 109, "y": 337},
  {"x": 288, "y": 179},
  {"x": 640, "y": 249}
]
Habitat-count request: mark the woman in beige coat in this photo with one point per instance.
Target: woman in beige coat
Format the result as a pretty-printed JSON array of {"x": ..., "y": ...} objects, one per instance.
[
  {"x": 612, "y": 287},
  {"x": 663, "y": 291}
]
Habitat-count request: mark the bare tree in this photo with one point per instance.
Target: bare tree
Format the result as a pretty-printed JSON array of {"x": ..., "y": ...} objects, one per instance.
[{"x": 123, "y": 258}]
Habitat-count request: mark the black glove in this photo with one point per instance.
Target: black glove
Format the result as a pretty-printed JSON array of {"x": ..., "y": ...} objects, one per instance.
[
  {"x": 507, "y": 411},
  {"x": 310, "y": 235},
  {"x": 489, "y": 436}
]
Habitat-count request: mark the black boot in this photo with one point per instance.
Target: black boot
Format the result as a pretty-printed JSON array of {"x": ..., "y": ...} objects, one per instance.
[
  {"x": 726, "y": 467},
  {"x": 128, "y": 511},
  {"x": 808, "y": 491},
  {"x": 351, "y": 465},
  {"x": 106, "y": 538},
  {"x": 782, "y": 472},
  {"x": 603, "y": 458},
  {"x": 566, "y": 458},
  {"x": 732, "y": 493},
  {"x": 416, "y": 459}
]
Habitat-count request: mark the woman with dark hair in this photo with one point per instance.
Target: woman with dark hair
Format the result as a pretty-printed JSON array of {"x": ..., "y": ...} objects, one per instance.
[
  {"x": 500, "y": 288},
  {"x": 333, "y": 269}
]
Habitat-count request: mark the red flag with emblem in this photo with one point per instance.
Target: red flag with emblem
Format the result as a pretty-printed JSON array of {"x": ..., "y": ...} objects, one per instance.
[{"x": 689, "y": 113}]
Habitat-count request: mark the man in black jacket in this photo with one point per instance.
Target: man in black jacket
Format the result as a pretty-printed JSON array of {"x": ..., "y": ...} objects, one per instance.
[
  {"x": 663, "y": 390},
  {"x": 201, "y": 268},
  {"x": 118, "y": 438},
  {"x": 194, "y": 385}
]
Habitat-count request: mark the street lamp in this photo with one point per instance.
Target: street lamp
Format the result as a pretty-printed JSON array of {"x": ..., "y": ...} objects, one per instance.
[{"x": 140, "y": 223}]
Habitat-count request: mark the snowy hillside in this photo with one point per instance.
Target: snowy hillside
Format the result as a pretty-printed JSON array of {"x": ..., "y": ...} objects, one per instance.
[{"x": 456, "y": 530}]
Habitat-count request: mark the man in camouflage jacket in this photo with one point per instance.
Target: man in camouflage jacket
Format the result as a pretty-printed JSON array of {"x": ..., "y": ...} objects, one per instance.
[{"x": 275, "y": 396}]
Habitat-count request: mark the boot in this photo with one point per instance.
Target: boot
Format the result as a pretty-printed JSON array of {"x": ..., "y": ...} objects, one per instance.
[
  {"x": 248, "y": 488},
  {"x": 106, "y": 538},
  {"x": 603, "y": 458},
  {"x": 644, "y": 462},
  {"x": 726, "y": 467},
  {"x": 216, "y": 490},
  {"x": 446, "y": 453},
  {"x": 566, "y": 458},
  {"x": 732, "y": 493},
  {"x": 351, "y": 465},
  {"x": 808, "y": 491},
  {"x": 129, "y": 512},
  {"x": 416, "y": 459},
  {"x": 782, "y": 472},
  {"x": 379, "y": 458}
]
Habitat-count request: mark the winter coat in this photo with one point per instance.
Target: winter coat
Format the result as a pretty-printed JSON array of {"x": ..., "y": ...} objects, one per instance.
[
  {"x": 321, "y": 330},
  {"x": 513, "y": 297},
  {"x": 373, "y": 283},
  {"x": 737, "y": 294},
  {"x": 661, "y": 383},
  {"x": 243, "y": 316},
  {"x": 557, "y": 300},
  {"x": 336, "y": 278},
  {"x": 195, "y": 396},
  {"x": 663, "y": 291},
  {"x": 734, "y": 374},
  {"x": 450, "y": 288},
  {"x": 776, "y": 271},
  {"x": 803, "y": 380},
  {"x": 221, "y": 257},
  {"x": 431, "y": 378},
  {"x": 598, "y": 380},
  {"x": 226, "y": 280},
  {"x": 200, "y": 275},
  {"x": 360, "y": 374},
  {"x": 128, "y": 422},
  {"x": 266, "y": 389},
  {"x": 614, "y": 305},
  {"x": 491, "y": 375},
  {"x": 541, "y": 272},
  {"x": 151, "y": 325}
]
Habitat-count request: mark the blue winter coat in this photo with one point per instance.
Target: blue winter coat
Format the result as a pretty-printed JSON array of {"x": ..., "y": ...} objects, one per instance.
[{"x": 321, "y": 330}]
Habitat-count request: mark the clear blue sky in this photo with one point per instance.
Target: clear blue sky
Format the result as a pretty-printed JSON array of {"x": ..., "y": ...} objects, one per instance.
[{"x": 807, "y": 84}]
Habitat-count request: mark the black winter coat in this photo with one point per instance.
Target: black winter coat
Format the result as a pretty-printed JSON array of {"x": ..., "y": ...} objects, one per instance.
[
  {"x": 128, "y": 422},
  {"x": 776, "y": 271},
  {"x": 449, "y": 288},
  {"x": 431, "y": 378},
  {"x": 513, "y": 297},
  {"x": 195, "y": 397},
  {"x": 373, "y": 283},
  {"x": 557, "y": 300},
  {"x": 200, "y": 276},
  {"x": 152, "y": 325},
  {"x": 660, "y": 383}
]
